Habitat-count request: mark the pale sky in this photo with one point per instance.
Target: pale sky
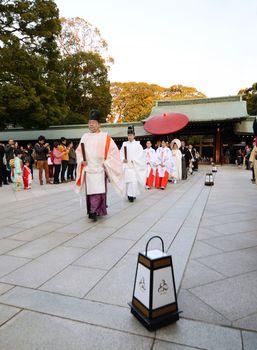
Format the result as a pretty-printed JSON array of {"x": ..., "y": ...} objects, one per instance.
[{"x": 208, "y": 44}]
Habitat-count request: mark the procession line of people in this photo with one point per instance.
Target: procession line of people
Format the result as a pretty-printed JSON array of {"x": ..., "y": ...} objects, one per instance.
[{"x": 129, "y": 170}]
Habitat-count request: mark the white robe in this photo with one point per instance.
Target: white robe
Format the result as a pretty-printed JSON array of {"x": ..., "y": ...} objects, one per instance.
[
  {"x": 150, "y": 159},
  {"x": 135, "y": 169},
  {"x": 98, "y": 164},
  {"x": 163, "y": 155},
  {"x": 177, "y": 159}
]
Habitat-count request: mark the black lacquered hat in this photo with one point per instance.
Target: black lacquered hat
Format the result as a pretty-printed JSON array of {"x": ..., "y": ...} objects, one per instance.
[
  {"x": 131, "y": 130},
  {"x": 94, "y": 114}
]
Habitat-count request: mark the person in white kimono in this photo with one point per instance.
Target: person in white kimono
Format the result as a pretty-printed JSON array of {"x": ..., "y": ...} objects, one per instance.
[
  {"x": 101, "y": 161},
  {"x": 150, "y": 159},
  {"x": 134, "y": 166},
  {"x": 177, "y": 159},
  {"x": 165, "y": 166}
]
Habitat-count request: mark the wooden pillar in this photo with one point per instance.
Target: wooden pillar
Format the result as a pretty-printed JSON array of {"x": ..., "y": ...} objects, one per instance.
[
  {"x": 218, "y": 145},
  {"x": 201, "y": 147}
]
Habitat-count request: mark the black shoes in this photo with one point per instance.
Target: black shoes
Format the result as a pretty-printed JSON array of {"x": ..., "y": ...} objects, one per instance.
[
  {"x": 131, "y": 199},
  {"x": 92, "y": 216}
]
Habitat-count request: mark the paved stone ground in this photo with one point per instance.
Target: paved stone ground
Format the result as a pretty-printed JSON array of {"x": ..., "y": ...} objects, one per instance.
[{"x": 65, "y": 281}]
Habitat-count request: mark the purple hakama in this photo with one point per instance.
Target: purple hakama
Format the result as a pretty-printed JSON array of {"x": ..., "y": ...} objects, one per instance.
[{"x": 96, "y": 203}]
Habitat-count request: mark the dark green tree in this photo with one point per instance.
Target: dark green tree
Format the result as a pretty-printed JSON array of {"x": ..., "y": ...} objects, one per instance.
[
  {"x": 250, "y": 96},
  {"x": 32, "y": 90},
  {"x": 87, "y": 86}
]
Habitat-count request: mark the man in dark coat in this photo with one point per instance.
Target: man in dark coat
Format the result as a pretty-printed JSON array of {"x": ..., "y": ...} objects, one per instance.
[
  {"x": 9, "y": 154},
  {"x": 186, "y": 158}
]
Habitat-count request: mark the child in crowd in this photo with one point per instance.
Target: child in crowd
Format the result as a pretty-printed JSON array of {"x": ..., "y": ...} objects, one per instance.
[
  {"x": 27, "y": 176},
  {"x": 16, "y": 173}
]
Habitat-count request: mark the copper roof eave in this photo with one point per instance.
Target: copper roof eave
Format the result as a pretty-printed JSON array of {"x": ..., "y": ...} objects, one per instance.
[{"x": 217, "y": 121}]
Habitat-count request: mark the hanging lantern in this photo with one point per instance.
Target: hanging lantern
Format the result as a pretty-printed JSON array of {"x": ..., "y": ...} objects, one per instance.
[
  {"x": 214, "y": 168},
  {"x": 209, "y": 179},
  {"x": 154, "y": 301}
]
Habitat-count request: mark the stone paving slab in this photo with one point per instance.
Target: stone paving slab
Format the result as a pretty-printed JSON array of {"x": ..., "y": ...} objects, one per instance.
[
  {"x": 118, "y": 292},
  {"x": 7, "y": 312},
  {"x": 106, "y": 254},
  {"x": 5, "y": 287},
  {"x": 74, "y": 281},
  {"x": 228, "y": 263},
  {"x": 48, "y": 332},
  {"x": 203, "y": 249},
  {"x": 231, "y": 297},
  {"x": 36, "y": 232},
  {"x": 7, "y": 244},
  {"x": 235, "y": 227},
  {"x": 5, "y": 221},
  {"x": 201, "y": 335},
  {"x": 7, "y": 231},
  {"x": 99, "y": 314},
  {"x": 249, "y": 340},
  {"x": 161, "y": 345},
  {"x": 198, "y": 274},
  {"x": 192, "y": 307},
  {"x": 91, "y": 238},
  {"x": 77, "y": 227},
  {"x": 232, "y": 242},
  {"x": 41, "y": 245},
  {"x": 205, "y": 232},
  {"x": 10, "y": 263},
  {"x": 40, "y": 270},
  {"x": 248, "y": 322},
  {"x": 228, "y": 219}
]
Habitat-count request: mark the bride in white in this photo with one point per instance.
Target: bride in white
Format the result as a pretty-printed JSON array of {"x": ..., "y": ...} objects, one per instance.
[{"x": 177, "y": 158}]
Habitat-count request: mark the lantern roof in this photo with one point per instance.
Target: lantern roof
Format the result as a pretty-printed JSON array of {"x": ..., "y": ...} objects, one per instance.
[{"x": 155, "y": 254}]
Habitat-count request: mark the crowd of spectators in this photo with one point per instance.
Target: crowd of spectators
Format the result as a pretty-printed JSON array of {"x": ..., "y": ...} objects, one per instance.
[{"x": 57, "y": 162}]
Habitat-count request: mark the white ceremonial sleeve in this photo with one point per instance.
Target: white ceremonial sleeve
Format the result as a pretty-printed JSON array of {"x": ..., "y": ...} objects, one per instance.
[
  {"x": 140, "y": 164},
  {"x": 113, "y": 168}
]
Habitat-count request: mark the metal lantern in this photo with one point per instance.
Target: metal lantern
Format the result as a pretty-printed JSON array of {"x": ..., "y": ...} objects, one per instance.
[
  {"x": 209, "y": 179},
  {"x": 154, "y": 301},
  {"x": 214, "y": 168}
]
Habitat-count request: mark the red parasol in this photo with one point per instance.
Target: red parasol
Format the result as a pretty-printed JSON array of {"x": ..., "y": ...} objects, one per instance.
[{"x": 166, "y": 123}]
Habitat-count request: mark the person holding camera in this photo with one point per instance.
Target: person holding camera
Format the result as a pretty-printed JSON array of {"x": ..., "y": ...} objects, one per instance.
[{"x": 42, "y": 149}]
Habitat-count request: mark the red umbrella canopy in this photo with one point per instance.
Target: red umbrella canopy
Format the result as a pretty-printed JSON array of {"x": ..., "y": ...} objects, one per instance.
[{"x": 166, "y": 123}]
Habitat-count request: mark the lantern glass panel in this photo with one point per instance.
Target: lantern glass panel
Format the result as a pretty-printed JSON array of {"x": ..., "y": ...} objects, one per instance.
[
  {"x": 142, "y": 287},
  {"x": 163, "y": 288}
]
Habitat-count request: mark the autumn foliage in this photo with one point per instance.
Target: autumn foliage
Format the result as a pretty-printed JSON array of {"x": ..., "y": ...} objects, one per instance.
[{"x": 134, "y": 101}]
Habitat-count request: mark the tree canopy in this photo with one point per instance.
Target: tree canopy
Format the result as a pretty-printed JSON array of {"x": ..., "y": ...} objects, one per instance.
[
  {"x": 134, "y": 101},
  {"x": 78, "y": 35},
  {"x": 38, "y": 86},
  {"x": 250, "y": 96},
  {"x": 87, "y": 86},
  {"x": 31, "y": 87}
]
